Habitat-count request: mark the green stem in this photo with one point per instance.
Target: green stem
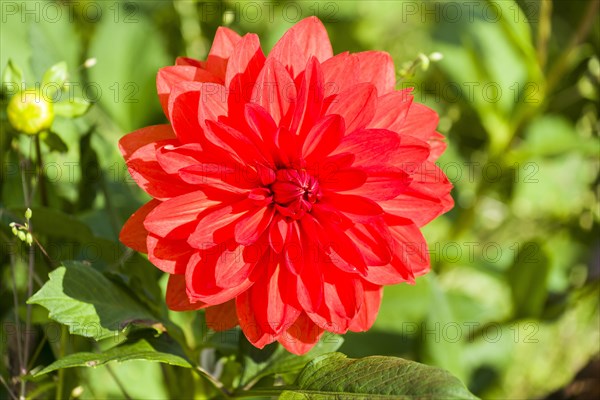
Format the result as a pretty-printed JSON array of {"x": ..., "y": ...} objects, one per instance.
[
  {"x": 544, "y": 31},
  {"x": 41, "y": 178},
  {"x": 118, "y": 382},
  {"x": 214, "y": 381}
]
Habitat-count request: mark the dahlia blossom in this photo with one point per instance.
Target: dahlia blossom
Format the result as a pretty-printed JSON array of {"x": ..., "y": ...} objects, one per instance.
[{"x": 287, "y": 189}]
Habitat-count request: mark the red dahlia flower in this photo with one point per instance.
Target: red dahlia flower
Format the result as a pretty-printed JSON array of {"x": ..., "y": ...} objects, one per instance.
[{"x": 288, "y": 189}]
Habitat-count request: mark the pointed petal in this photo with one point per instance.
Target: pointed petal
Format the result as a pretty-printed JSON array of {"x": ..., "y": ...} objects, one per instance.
[
  {"x": 246, "y": 60},
  {"x": 275, "y": 91},
  {"x": 200, "y": 279},
  {"x": 377, "y": 67},
  {"x": 356, "y": 105},
  {"x": 305, "y": 39},
  {"x": 343, "y": 296},
  {"x": 271, "y": 301},
  {"x": 183, "y": 111},
  {"x": 221, "y": 50},
  {"x": 392, "y": 109},
  {"x": 173, "y": 158},
  {"x": 131, "y": 142},
  {"x": 168, "y": 77},
  {"x": 301, "y": 336},
  {"x": 420, "y": 122},
  {"x": 145, "y": 170},
  {"x": 310, "y": 99},
  {"x": 133, "y": 234},
  {"x": 323, "y": 138},
  {"x": 178, "y": 216},
  {"x": 253, "y": 224},
  {"x": 171, "y": 256},
  {"x": 212, "y": 103},
  {"x": 368, "y": 309},
  {"x": 340, "y": 72}
]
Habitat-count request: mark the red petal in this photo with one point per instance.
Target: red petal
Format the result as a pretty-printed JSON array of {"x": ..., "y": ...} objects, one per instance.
[
  {"x": 253, "y": 224},
  {"x": 172, "y": 215},
  {"x": 410, "y": 257},
  {"x": 351, "y": 204},
  {"x": 340, "y": 73},
  {"x": 212, "y": 103},
  {"x": 130, "y": 143},
  {"x": 144, "y": 168},
  {"x": 369, "y": 308},
  {"x": 343, "y": 296},
  {"x": 369, "y": 146},
  {"x": 246, "y": 60},
  {"x": 236, "y": 143},
  {"x": 183, "y": 111},
  {"x": 310, "y": 99},
  {"x": 301, "y": 336},
  {"x": 377, "y": 67},
  {"x": 392, "y": 110},
  {"x": 231, "y": 269},
  {"x": 323, "y": 138},
  {"x": 383, "y": 183},
  {"x": 168, "y": 255},
  {"x": 345, "y": 179},
  {"x": 133, "y": 234},
  {"x": 210, "y": 223},
  {"x": 221, "y": 50},
  {"x": 200, "y": 279},
  {"x": 278, "y": 233},
  {"x": 420, "y": 122},
  {"x": 176, "y": 298},
  {"x": 414, "y": 205},
  {"x": 170, "y": 76},
  {"x": 275, "y": 91},
  {"x": 304, "y": 40},
  {"x": 373, "y": 241},
  {"x": 222, "y": 316},
  {"x": 174, "y": 158},
  {"x": 270, "y": 300},
  {"x": 262, "y": 126},
  {"x": 356, "y": 105}
]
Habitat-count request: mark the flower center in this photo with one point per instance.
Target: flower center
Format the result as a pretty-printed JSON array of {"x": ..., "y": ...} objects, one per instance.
[{"x": 294, "y": 192}]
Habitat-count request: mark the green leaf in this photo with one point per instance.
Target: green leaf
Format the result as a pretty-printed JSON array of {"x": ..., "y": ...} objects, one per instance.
[
  {"x": 71, "y": 109},
  {"x": 275, "y": 359},
  {"x": 334, "y": 376},
  {"x": 88, "y": 303},
  {"x": 149, "y": 350},
  {"x": 12, "y": 77},
  {"x": 528, "y": 278},
  {"x": 54, "y": 78},
  {"x": 54, "y": 142}
]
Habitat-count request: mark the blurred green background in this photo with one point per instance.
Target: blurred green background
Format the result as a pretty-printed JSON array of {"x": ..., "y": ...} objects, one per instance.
[{"x": 512, "y": 305}]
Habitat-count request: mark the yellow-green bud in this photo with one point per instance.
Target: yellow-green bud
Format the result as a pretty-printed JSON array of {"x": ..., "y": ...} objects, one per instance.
[
  {"x": 28, "y": 213},
  {"x": 29, "y": 112}
]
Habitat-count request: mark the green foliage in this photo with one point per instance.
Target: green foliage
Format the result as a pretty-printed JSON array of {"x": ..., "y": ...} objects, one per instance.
[
  {"x": 88, "y": 303},
  {"x": 142, "y": 349},
  {"x": 334, "y": 376}
]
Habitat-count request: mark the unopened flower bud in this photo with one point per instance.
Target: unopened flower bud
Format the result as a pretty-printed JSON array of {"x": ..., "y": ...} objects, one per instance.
[{"x": 29, "y": 112}]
